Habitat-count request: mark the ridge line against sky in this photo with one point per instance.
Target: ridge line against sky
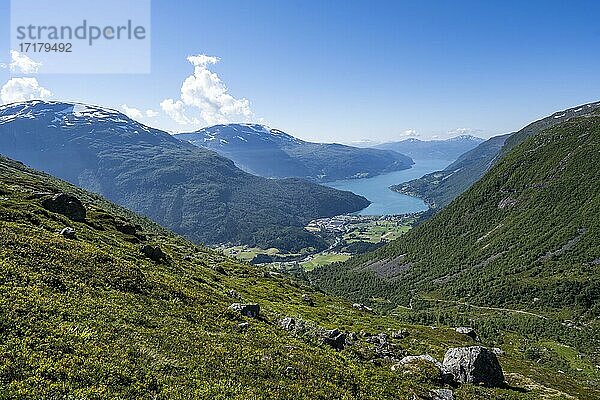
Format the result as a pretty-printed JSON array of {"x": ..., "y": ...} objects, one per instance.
[{"x": 351, "y": 72}]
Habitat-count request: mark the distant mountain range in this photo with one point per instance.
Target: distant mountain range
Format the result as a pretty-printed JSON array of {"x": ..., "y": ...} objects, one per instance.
[
  {"x": 448, "y": 149},
  {"x": 188, "y": 189},
  {"x": 441, "y": 187},
  {"x": 272, "y": 153}
]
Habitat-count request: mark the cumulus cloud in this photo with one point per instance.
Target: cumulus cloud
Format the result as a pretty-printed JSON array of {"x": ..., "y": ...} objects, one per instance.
[
  {"x": 176, "y": 110},
  {"x": 132, "y": 112},
  {"x": 23, "y": 89},
  {"x": 137, "y": 114},
  {"x": 22, "y": 64},
  {"x": 205, "y": 93}
]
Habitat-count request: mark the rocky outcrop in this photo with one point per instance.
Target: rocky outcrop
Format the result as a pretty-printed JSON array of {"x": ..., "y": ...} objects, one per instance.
[
  {"x": 441, "y": 394},
  {"x": 361, "y": 307},
  {"x": 154, "y": 253},
  {"x": 246, "y": 310},
  {"x": 470, "y": 332},
  {"x": 475, "y": 365},
  {"x": 67, "y": 205},
  {"x": 68, "y": 233},
  {"x": 335, "y": 339}
]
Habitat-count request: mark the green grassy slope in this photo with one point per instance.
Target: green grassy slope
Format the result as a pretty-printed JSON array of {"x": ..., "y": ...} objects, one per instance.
[
  {"x": 525, "y": 237},
  {"x": 93, "y": 318}
]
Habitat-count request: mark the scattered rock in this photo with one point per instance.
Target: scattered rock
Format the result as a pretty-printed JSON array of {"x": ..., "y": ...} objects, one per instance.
[
  {"x": 289, "y": 370},
  {"x": 507, "y": 203},
  {"x": 475, "y": 365},
  {"x": 308, "y": 300},
  {"x": 288, "y": 323},
  {"x": 498, "y": 351},
  {"x": 470, "y": 332},
  {"x": 243, "y": 326},
  {"x": 401, "y": 334},
  {"x": 219, "y": 269},
  {"x": 67, "y": 205},
  {"x": 68, "y": 233},
  {"x": 154, "y": 253},
  {"x": 233, "y": 294},
  {"x": 125, "y": 228},
  {"x": 380, "y": 339},
  {"x": 335, "y": 339},
  {"x": 362, "y": 307},
  {"x": 246, "y": 310},
  {"x": 441, "y": 394}
]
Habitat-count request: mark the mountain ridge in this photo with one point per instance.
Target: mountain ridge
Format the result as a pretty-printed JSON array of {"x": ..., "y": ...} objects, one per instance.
[
  {"x": 190, "y": 190},
  {"x": 439, "y": 188},
  {"x": 273, "y": 153},
  {"x": 440, "y": 149}
]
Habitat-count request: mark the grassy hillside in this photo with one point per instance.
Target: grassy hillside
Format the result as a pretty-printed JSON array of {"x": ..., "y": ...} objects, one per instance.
[
  {"x": 192, "y": 191},
  {"x": 439, "y": 188},
  {"x": 93, "y": 318},
  {"x": 525, "y": 237}
]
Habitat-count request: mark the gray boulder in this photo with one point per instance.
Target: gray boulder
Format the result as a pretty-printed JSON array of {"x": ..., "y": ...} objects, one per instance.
[
  {"x": 401, "y": 334},
  {"x": 335, "y": 339},
  {"x": 475, "y": 365},
  {"x": 67, "y": 205},
  {"x": 68, "y": 233},
  {"x": 441, "y": 394},
  {"x": 288, "y": 323},
  {"x": 470, "y": 332},
  {"x": 246, "y": 310},
  {"x": 154, "y": 253}
]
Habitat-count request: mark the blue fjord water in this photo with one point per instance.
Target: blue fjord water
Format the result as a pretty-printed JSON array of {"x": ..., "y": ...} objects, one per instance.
[{"x": 383, "y": 200}]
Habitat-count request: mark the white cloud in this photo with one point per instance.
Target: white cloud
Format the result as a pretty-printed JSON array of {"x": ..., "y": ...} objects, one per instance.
[
  {"x": 132, "y": 112},
  {"x": 409, "y": 133},
  {"x": 138, "y": 114},
  {"x": 464, "y": 131},
  {"x": 20, "y": 63},
  {"x": 175, "y": 110},
  {"x": 204, "y": 92},
  {"x": 23, "y": 89}
]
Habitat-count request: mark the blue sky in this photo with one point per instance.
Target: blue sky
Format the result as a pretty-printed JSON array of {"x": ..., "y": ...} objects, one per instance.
[{"x": 354, "y": 70}]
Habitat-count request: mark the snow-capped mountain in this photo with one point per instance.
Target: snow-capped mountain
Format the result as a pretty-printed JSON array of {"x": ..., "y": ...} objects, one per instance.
[
  {"x": 448, "y": 149},
  {"x": 273, "y": 153},
  {"x": 191, "y": 190}
]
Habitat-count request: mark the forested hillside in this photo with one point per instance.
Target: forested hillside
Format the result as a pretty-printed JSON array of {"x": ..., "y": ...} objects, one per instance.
[{"x": 525, "y": 237}]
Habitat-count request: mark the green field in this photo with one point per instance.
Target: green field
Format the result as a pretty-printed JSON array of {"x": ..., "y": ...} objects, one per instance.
[
  {"x": 376, "y": 231},
  {"x": 244, "y": 253},
  {"x": 324, "y": 259}
]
